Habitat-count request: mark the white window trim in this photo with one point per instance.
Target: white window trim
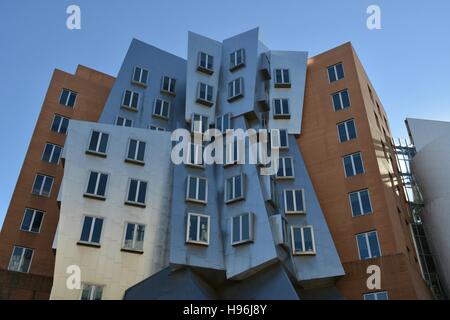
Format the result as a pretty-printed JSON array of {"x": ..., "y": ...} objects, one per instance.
[
  {"x": 170, "y": 84},
  {"x": 250, "y": 231},
  {"x": 283, "y": 159},
  {"x": 161, "y": 115},
  {"x": 139, "y": 82},
  {"x": 303, "y": 253},
  {"x": 92, "y": 292},
  {"x": 136, "y": 152},
  {"x": 32, "y": 220},
  {"x": 347, "y": 132},
  {"x": 296, "y": 211},
  {"x": 341, "y": 101},
  {"x": 42, "y": 186},
  {"x": 283, "y": 83},
  {"x": 207, "y": 58},
  {"x": 124, "y": 122},
  {"x": 155, "y": 128},
  {"x": 198, "y": 156},
  {"x": 234, "y": 198},
  {"x": 204, "y": 100},
  {"x": 91, "y": 230},
  {"x": 21, "y": 259},
  {"x": 353, "y": 164},
  {"x": 278, "y": 133},
  {"x": 335, "y": 72},
  {"x": 197, "y": 184},
  {"x": 54, "y": 146},
  {"x": 97, "y": 183},
  {"x": 138, "y": 188},
  {"x": 96, "y": 152},
  {"x": 234, "y": 86},
  {"x": 369, "y": 249},
  {"x": 237, "y": 65},
  {"x": 60, "y": 123},
  {"x": 123, "y": 105},
  {"x": 281, "y": 115},
  {"x": 201, "y": 121},
  {"x": 360, "y": 203},
  {"x": 68, "y": 98},
  {"x": 231, "y": 157},
  {"x": 375, "y": 294},
  {"x": 136, "y": 225},
  {"x": 220, "y": 119},
  {"x": 188, "y": 227}
]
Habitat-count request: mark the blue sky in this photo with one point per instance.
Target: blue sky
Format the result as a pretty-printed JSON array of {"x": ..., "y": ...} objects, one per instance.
[{"x": 408, "y": 60}]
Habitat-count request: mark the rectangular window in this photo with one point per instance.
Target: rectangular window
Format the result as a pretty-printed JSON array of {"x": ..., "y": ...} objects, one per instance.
[
  {"x": 42, "y": 185},
  {"x": 161, "y": 109},
  {"x": 136, "y": 194},
  {"x": 92, "y": 230},
  {"x": 156, "y": 128},
  {"x": 168, "y": 85},
  {"x": 223, "y": 122},
  {"x": 282, "y": 78},
  {"x": 279, "y": 138},
  {"x": 341, "y": 100},
  {"x": 195, "y": 155},
  {"x": 68, "y": 98},
  {"x": 124, "y": 122},
  {"x": 199, "y": 123},
  {"x": 234, "y": 188},
  {"x": 335, "y": 72},
  {"x": 205, "y": 94},
  {"x": 285, "y": 168},
  {"x": 96, "y": 187},
  {"x": 294, "y": 201},
  {"x": 368, "y": 245},
  {"x": 197, "y": 189},
  {"x": 140, "y": 76},
  {"x": 237, "y": 59},
  {"x": 231, "y": 151},
  {"x": 353, "y": 164},
  {"x": 197, "y": 230},
  {"x": 130, "y": 100},
  {"x": 98, "y": 143},
  {"x": 303, "y": 240},
  {"x": 51, "y": 154},
  {"x": 134, "y": 237},
  {"x": 346, "y": 130},
  {"x": 242, "y": 229},
  {"x": 21, "y": 259},
  {"x": 381, "y": 295},
  {"x": 360, "y": 203},
  {"x": 281, "y": 109},
  {"x": 32, "y": 220},
  {"x": 205, "y": 63},
  {"x": 136, "y": 151},
  {"x": 235, "y": 89},
  {"x": 91, "y": 292},
  {"x": 59, "y": 124}
]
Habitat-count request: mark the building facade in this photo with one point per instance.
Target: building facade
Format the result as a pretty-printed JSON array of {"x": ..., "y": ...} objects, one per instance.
[{"x": 26, "y": 254}]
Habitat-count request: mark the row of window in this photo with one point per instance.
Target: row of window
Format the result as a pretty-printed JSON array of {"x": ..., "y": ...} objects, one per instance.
[{"x": 140, "y": 78}]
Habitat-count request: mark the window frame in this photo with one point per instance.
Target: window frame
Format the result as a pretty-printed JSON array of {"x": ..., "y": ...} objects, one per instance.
[
  {"x": 283, "y": 83},
  {"x": 140, "y": 82},
  {"x": 284, "y": 168},
  {"x": 220, "y": 119},
  {"x": 203, "y": 126},
  {"x": 303, "y": 253},
  {"x": 347, "y": 132},
  {"x": 92, "y": 292},
  {"x": 156, "y": 128},
  {"x": 369, "y": 248},
  {"x": 52, "y": 153},
  {"x": 352, "y": 159},
  {"x": 133, "y": 249},
  {"x": 163, "y": 103},
  {"x": 196, "y": 146},
  {"x": 42, "y": 186},
  {"x": 32, "y": 220},
  {"x": 234, "y": 63},
  {"x": 296, "y": 211},
  {"x": 65, "y": 104},
  {"x": 334, "y": 66},
  {"x": 197, "y": 189},
  {"x": 96, "y": 152},
  {"x": 21, "y": 259},
  {"x": 281, "y": 115},
  {"x": 136, "y": 152},
  {"x": 97, "y": 183},
  {"x": 136, "y": 203},
  {"x": 124, "y": 122},
  {"x": 129, "y": 107},
  {"x": 241, "y": 241},
  {"x": 234, "y": 198},
  {"x": 375, "y": 294},
  {"x": 188, "y": 226},
  {"x": 162, "y": 90},
  {"x": 360, "y": 203},
  {"x": 278, "y": 145},
  {"x": 89, "y": 242},
  {"x": 241, "y": 89},
  {"x": 60, "y": 123},
  {"x": 205, "y": 69},
  {"x": 204, "y": 100},
  {"x": 341, "y": 101}
]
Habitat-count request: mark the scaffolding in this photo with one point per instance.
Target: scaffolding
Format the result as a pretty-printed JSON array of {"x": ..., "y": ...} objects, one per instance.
[{"x": 405, "y": 152}]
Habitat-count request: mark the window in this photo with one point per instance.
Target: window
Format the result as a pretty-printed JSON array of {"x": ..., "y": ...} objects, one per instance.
[
  {"x": 242, "y": 229},
  {"x": 134, "y": 237},
  {"x": 341, "y": 100},
  {"x": 42, "y": 185},
  {"x": 68, "y": 98},
  {"x": 96, "y": 187},
  {"x": 235, "y": 89},
  {"x": 231, "y": 150},
  {"x": 51, "y": 154},
  {"x": 282, "y": 79},
  {"x": 98, "y": 143},
  {"x": 124, "y": 122},
  {"x": 279, "y": 138},
  {"x": 360, "y": 203},
  {"x": 223, "y": 122},
  {"x": 161, "y": 109},
  {"x": 91, "y": 292},
  {"x": 130, "y": 100},
  {"x": 205, "y": 94},
  {"x": 91, "y": 230},
  {"x": 368, "y": 245},
  {"x": 156, "y": 128},
  {"x": 199, "y": 123},
  {"x": 281, "y": 109},
  {"x": 168, "y": 85},
  {"x": 237, "y": 59},
  {"x": 197, "y": 189},
  {"x": 381, "y": 295},
  {"x": 136, "y": 151},
  {"x": 32, "y": 220},
  {"x": 59, "y": 124},
  {"x": 335, "y": 72},
  {"x": 353, "y": 164},
  {"x": 197, "y": 228},
  {"x": 205, "y": 63},
  {"x": 137, "y": 190},
  {"x": 285, "y": 168},
  {"x": 195, "y": 155},
  {"x": 21, "y": 259},
  {"x": 234, "y": 188},
  {"x": 346, "y": 130},
  {"x": 303, "y": 240},
  {"x": 294, "y": 201},
  {"x": 140, "y": 76}
]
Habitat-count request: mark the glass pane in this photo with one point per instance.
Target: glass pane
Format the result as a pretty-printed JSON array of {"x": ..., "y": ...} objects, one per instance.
[
  {"x": 288, "y": 165},
  {"x": 351, "y": 129},
  {"x": 367, "y": 208},
  {"x": 142, "y": 192},
  {"x": 285, "y": 106},
  {"x": 127, "y": 123},
  {"x": 56, "y": 123},
  {"x": 166, "y": 84},
  {"x": 96, "y": 233},
  {"x": 86, "y": 293},
  {"x": 172, "y": 85},
  {"x": 129, "y": 234},
  {"x": 358, "y": 163},
  {"x": 102, "y": 184},
  {"x": 132, "y": 191},
  {"x": 289, "y": 201},
  {"x": 348, "y": 166},
  {"x": 373, "y": 243},
  {"x": 158, "y": 107},
  {"x": 127, "y": 98},
  {"x": 47, "y": 152},
  {"x": 14, "y": 263},
  {"x": 342, "y": 132},
  {"x": 86, "y": 229},
  {"x": 307, "y": 235},
  {"x": 232, "y": 58},
  {"x": 230, "y": 90},
  {"x": 192, "y": 188},
  {"x": 139, "y": 243},
  {"x": 132, "y": 149},
  {"x": 280, "y": 167},
  {"x": 103, "y": 142},
  {"x": 94, "y": 140},
  {"x": 202, "y": 91},
  {"x": 98, "y": 293},
  {"x": 37, "y": 221},
  {"x": 283, "y": 138},
  {"x": 345, "y": 99},
  {"x": 298, "y": 247},
  {"x": 26, "y": 223},
  {"x": 137, "y": 74},
  {"x": 210, "y": 62},
  {"x": 286, "y": 76},
  {"x": 204, "y": 229},
  {"x": 229, "y": 189},
  {"x": 236, "y": 229},
  {"x": 299, "y": 200},
  {"x": 336, "y": 102},
  {"x": 226, "y": 122},
  {"x": 369, "y": 296},
  {"x": 92, "y": 183},
  {"x": 64, "y": 96},
  {"x": 38, "y": 184},
  {"x": 72, "y": 97},
  {"x": 135, "y": 99},
  {"x": 202, "y": 189},
  {"x": 340, "y": 71},
  {"x": 56, "y": 153},
  {"x": 382, "y": 296},
  {"x": 331, "y": 74},
  {"x": 237, "y": 187},
  {"x": 246, "y": 227},
  {"x": 278, "y": 76},
  {"x": 354, "y": 201},
  {"x": 193, "y": 228},
  {"x": 47, "y": 186},
  {"x": 141, "y": 151},
  {"x": 28, "y": 254},
  {"x": 64, "y": 125},
  {"x": 362, "y": 246},
  {"x": 277, "y": 103}
]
